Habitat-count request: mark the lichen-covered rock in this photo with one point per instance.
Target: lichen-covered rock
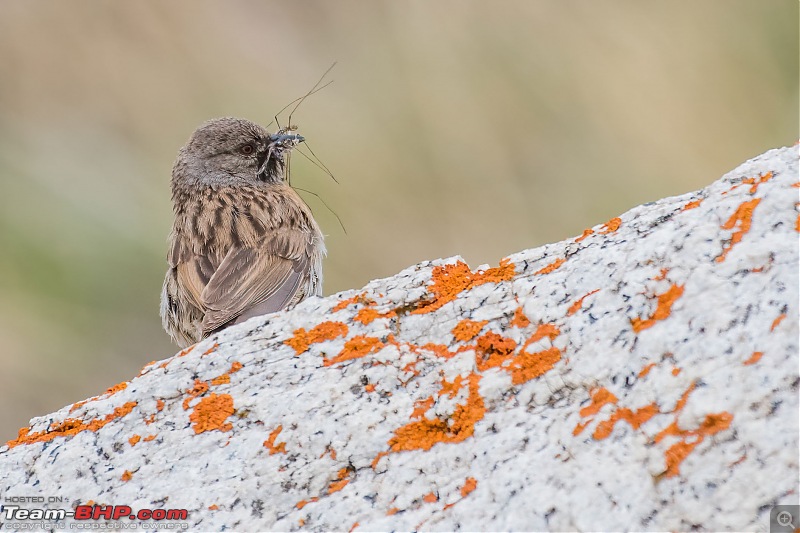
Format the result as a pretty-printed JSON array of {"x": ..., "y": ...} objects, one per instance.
[{"x": 641, "y": 376}]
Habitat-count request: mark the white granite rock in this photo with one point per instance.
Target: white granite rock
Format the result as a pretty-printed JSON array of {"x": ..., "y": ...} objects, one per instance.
[{"x": 643, "y": 376}]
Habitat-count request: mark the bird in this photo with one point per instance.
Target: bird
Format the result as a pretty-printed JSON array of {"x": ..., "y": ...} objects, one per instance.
[{"x": 243, "y": 243}]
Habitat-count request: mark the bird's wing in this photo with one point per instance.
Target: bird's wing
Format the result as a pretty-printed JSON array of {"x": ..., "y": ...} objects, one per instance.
[
  {"x": 194, "y": 273},
  {"x": 266, "y": 276}
]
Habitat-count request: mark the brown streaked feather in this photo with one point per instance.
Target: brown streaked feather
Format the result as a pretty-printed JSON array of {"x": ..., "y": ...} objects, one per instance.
[
  {"x": 286, "y": 295},
  {"x": 247, "y": 278},
  {"x": 192, "y": 282},
  {"x": 236, "y": 253}
]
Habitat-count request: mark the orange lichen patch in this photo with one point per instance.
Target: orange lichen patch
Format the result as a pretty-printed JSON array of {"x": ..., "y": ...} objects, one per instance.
[
  {"x": 743, "y": 217},
  {"x": 329, "y": 450},
  {"x": 358, "y": 346},
  {"x": 797, "y": 224},
  {"x": 149, "y": 438},
  {"x": 211, "y": 412},
  {"x": 662, "y": 275},
  {"x": 684, "y": 398},
  {"x": 326, "y": 331},
  {"x": 423, "y": 434},
  {"x": 353, "y": 527},
  {"x": 211, "y": 350},
  {"x": 579, "y": 427},
  {"x": 200, "y": 387},
  {"x": 303, "y": 503},
  {"x": 224, "y": 379},
  {"x": 133, "y": 440},
  {"x": 78, "y": 405},
  {"x": 358, "y": 298},
  {"x": 69, "y": 427},
  {"x": 692, "y": 205},
  {"x": 342, "y": 479},
  {"x": 738, "y": 461},
  {"x": 150, "y": 419},
  {"x": 213, "y": 507},
  {"x": 159, "y": 405},
  {"x": 377, "y": 459},
  {"x": 421, "y": 407},
  {"x": 492, "y": 350},
  {"x": 777, "y": 321},
  {"x": 646, "y": 370},
  {"x": 467, "y": 329},
  {"x": 544, "y": 330},
  {"x": 585, "y": 234},
  {"x": 116, "y": 388},
  {"x": 634, "y": 418},
  {"x": 520, "y": 320},
  {"x": 270, "y": 442},
  {"x": 611, "y": 226},
  {"x": 754, "y": 358},
  {"x": 370, "y": 387},
  {"x": 599, "y": 398},
  {"x": 731, "y": 189},
  {"x": 439, "y": 350},
  {"x": 450, "y": 280},
  {"x": 690, "y": 439},
  {"x": 579, "y": 303},
  {"x": 186, "y": 350},
  {"x": 527, "y": 366},
  {"x": 663, "y": 309},
  {"x": 552, "y": 266},
  {"x": 301, "y": 522},
  {"x": 470, "y": 485},
  {"x": 392, "y": 511},
  {"x": 411, "y": 367},
  {"x": 676, "y": 371},
  {"x": 368, "y": 314},
  {"x": 430, "y": 498},
  {"x": 504, "y": 272},
  {"x": 126, "y": 475},
  {"x": 450, "y": 388},
  {"x": 755, "y": 182}
]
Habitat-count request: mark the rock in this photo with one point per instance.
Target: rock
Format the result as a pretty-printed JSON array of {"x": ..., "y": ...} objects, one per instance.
[{"x": 641, "y": 376}]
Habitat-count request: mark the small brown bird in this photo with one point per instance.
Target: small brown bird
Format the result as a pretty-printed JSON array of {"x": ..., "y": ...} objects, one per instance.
[{"x": 243, "y": 243}]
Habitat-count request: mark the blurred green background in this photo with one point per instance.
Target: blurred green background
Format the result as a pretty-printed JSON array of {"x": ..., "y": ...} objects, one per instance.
[{"x": 454, "y": 127}]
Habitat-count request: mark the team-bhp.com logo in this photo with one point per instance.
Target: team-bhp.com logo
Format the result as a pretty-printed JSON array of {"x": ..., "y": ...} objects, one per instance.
[{"x": 16, "y": 517}]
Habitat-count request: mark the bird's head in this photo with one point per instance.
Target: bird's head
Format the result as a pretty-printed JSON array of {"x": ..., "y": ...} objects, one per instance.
[{"x": 233, "y": 151}]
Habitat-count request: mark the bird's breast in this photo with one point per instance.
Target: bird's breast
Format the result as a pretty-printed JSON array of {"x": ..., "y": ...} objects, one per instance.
[{"x": 212, "y": 221}]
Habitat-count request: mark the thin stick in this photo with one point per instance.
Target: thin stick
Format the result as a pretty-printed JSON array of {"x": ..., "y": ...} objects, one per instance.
[
  {"x": 326, "y": 206},
  {"x": 319, "y": 165},
  {"x": 300, "y": 100},
  {"x": 309, "y": 93},
  {"x": 327, "y": 170},
  {"x": 275, "y": 118}
]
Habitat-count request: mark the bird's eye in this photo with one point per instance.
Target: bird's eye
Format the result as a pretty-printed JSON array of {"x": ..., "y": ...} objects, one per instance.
[{"x": 247, "y": 149}]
